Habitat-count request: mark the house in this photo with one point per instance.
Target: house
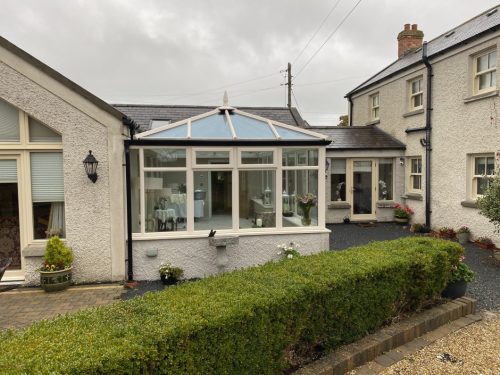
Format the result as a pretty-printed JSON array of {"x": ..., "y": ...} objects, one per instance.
[
  {"x": 166, "y": 178},
  {"x": 48, "y": 124},
  {"x": 424, "y": 131}
]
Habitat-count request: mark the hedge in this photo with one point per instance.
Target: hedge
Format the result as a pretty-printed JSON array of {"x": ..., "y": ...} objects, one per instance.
[{"x": 243, "y": 322}]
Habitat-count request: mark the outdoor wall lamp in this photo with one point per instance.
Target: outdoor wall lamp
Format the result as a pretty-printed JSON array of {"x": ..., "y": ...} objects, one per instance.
[
  {"x": 401, "y": 161},
  {"x": 90, "y": 164}
]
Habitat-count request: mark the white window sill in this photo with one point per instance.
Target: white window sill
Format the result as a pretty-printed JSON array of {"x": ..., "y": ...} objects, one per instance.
[
  {"x": 469, "y": 203},
  {"x": 339, "y": 205},
  {"x": 413, "y": 196},
  {"x": 489, "y": 94},
  {"x": 414, "y": 112},
  {"x": 373, "y": 122}
]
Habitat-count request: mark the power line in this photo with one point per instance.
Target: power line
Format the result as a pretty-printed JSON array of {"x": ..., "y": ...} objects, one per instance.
[
  {"x": 332, "y": 81},
  {"x": 317, "y": 30},
  {"x": 328, "y": 38},
  {"x": 296, "y": 101}
]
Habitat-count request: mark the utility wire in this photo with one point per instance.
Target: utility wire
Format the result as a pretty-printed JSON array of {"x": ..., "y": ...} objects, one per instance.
[
  {"x": 328, "y": 38},
  {"x": 296, "y": 101},
  {"x": 316, "y": 32}
]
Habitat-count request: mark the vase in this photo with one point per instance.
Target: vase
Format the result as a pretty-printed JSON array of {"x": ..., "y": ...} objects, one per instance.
[
  {"x": 463, "y": 238},
  {"x": 168, "y": 280},
  {"x": 401, "y": 220},
  {"x": 455, "y": 289},
  {"x": 56, "y": 280},
  {"x": 306, "y": 218}
]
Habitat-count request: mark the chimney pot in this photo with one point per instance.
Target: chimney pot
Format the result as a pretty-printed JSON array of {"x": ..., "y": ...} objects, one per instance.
[{"x": 409, "y": 39}]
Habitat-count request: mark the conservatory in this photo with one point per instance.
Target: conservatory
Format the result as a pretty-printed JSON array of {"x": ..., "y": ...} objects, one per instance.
[{"x": 255, "y": 182}]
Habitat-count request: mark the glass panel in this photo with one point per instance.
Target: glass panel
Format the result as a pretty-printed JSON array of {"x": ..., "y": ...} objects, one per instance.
[
  {"x": 159, "y": 123},
  {"x": 490, "y": 166},
  {"x": 175, "y": 132},
  {"x": 482, "y": 185},
  {"x": 257, "y": 199},
  {"x": 487, "y": 80},
  {"x": 480, "y": 166},
  {"x": 247, "y": 127},
  {"x": 9, "y": 123},
  {"x": 416, "y": 86},
  {"x": 10, "y": 240},
  {"x": 214, "y": 126},
  {"x": 257, "y": 157},
  {"x": 482, "y": 63},
  {"x": 165, "y": 201},
  {"x": 48, "y": 220},
  {"x": 291, "y": 134},
  {"x": 135, "y": 184},
  {"x": 212, "y": 200},
  {"x": 41, "y": 133},
  {"x": 338, "y": 180},
  {"x": 362, "y": 187},
  {"x": 416, "y": 165},
  {"x": 212, "y": 157},
  {"x": 492, "y": 59},
  {"x": 385, "y": 176},
  {"x": 299, "y": 208},
  {"x": 417, "y": 100},
  {"x": 302, "y": 157},
  {"x": 164, "y": 157},
  {"x": 417, "y": 182}
]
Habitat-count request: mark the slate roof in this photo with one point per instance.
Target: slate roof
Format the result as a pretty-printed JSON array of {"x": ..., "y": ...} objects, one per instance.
[
  {"x": 368, "y": 137},
  {"x": 473, "y": 28},
  {"x": 142, "y": 114}
]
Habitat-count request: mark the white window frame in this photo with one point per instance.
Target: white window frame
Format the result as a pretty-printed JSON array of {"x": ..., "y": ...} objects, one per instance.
[
  {"x": 474, "y": 177},
  {"x": 411, "y": 174},
  {"x": 243, "y": 166},
  {"x": 412, "y": 95},
  {"x": 477, "y": 74},
  {"x": 230, "y": 165},
  {"x": 375, "y": 106}
]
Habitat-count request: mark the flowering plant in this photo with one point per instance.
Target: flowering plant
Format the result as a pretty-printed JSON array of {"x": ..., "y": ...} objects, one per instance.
[
  {"x": 402, "y": 212},
  {"x": 289, "y": 251},
  {"x": 463, "y": 229},
  {"x": 307, "y": 200},
  {"x": 170, "y": 272},
  {"x": 461, "y": 272},
  {"x": 383, "y": 189}
]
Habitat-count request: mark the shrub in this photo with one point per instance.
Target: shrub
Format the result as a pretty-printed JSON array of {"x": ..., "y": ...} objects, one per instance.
[
  {"x": 57, "y": 255},
  {"x": 489, "y": 203},
  {"x": 463, "y": 229},
  {"x": 166, "y": 269},
  {"x": 240, "y": 322},
  {"x": 461, "y": 272},
  {"x": 485, "y": 241}
]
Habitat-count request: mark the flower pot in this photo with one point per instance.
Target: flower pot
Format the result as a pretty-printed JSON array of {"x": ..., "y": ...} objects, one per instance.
[
  {"x": 401, "y": 220},
  {"x": 463, "y": 238},
  {"x": 455, "y": 290},
  {"x": 168, "y": 280},
  {"x": 56, "y": 280}
]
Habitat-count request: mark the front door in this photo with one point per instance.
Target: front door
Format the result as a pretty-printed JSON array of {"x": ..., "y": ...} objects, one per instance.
[
  {"x": 10, "y": 238},
  {"x": 362, "y": 191}
]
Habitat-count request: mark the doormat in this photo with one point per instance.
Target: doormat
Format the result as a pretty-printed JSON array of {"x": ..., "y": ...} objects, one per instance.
[{"x": 367, "y": 225}]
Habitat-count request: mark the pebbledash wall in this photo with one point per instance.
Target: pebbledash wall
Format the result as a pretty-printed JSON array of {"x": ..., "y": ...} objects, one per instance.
[
  {"x": 462, "y": 125},
  {"x": 198, "y": 258},
  {"x": 94, "y": 212}
]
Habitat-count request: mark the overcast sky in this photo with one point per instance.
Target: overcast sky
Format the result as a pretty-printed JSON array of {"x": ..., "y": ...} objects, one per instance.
[{"x": 189, "y": 52}]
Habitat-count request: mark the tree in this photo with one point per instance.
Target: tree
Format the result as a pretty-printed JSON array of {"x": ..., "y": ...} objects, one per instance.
[
  {"x": 344, "y": 120},
  {"x": 489, "y": 204}
]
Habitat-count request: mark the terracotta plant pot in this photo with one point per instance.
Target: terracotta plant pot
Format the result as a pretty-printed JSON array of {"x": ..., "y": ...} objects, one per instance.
[
  {"x": 56, "y": 280},
  {"x": 484, "y": 246},
  {"x": 455, "y": 290}
]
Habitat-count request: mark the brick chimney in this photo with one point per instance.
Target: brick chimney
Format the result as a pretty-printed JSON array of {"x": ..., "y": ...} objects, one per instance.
[{"x": 409, "y": 39}]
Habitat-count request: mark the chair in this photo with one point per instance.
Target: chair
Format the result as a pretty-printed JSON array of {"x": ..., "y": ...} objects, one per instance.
[{"x": 4, "y": 263}]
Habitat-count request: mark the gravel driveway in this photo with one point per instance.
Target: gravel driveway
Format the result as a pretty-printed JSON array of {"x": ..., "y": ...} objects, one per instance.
[{"x": 485, "y": 288}]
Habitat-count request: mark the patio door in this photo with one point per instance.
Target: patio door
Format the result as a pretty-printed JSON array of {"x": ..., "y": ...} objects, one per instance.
[
  {"x": 10, "y": 221},
  {"x": 363, "y": 189}
]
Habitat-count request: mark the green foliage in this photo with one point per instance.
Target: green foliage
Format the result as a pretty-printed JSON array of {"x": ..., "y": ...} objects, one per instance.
[
  {"x": 462, "y": 272},
  {"x": 463, "y": 229},
  {"x": 344, "y": 120},
  {"x": 243, "y": 322},
  {"x": 446, "y": 232},
  {"x": 489, "y": 204},
  {"x": 169, "y": 271},
  {"x": 289, "y": 251},
  {"x": 57, "y": 255}
]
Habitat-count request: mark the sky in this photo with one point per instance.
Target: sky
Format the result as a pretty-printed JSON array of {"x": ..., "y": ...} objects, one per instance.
[{"x": 190, "y": 52}]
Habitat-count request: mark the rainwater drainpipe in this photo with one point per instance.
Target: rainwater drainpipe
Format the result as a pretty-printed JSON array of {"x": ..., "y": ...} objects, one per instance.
[
  {"x": 351, "y": 106},
  {"x": 427, "y": 141},
  {"x": 132, "y": 125}
]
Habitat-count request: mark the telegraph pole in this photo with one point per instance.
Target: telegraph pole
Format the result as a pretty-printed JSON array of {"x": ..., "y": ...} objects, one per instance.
[{"x": 289, "y": 84}]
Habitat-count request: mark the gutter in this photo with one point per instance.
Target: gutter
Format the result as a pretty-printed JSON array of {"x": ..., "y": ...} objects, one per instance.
[{"x": 427, "y": 140}]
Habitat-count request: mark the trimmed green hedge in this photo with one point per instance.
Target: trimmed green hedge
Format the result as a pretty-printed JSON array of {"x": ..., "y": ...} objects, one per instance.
[{"x": 242, "y": 322}]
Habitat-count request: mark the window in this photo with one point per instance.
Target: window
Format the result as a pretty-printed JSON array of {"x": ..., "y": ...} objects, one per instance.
[
  {"x": 213, "y": 200},
  {"x": 483, "y": 170},
  {"x": 374, "y": 106},
  {"x": 485, "y": 72},
  {"x": 338, "y": 180},
  {"x": 416, "y": 94},
  {"x": 415, "y": 175},
  {"x": 9, "y": 123},
  {"x": 385, "y": 177},
  {"x": 257, "y": 199}
]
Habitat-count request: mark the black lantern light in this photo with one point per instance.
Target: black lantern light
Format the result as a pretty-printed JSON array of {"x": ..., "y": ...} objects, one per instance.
[{"x": 90, "y": 164}]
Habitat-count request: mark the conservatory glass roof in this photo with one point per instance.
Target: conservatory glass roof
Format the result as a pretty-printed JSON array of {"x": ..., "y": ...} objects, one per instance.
[{"x": 228, "y": 123}]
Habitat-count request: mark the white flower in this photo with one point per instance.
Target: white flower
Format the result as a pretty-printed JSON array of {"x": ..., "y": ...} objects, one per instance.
[{"x": 289, "y": 256}]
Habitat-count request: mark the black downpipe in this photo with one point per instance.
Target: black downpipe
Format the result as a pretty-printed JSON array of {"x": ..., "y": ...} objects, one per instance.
[
  {"x": 130, "y": 271},
  {"x": 351, "y": 106},
  {"x": 427, "y": 142}
]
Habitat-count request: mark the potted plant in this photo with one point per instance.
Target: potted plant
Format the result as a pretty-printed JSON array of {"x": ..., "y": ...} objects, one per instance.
[
  {"x": 56, "y": 271},
  {"x": 461, "y": 274},
  {"x": 446, "y": 232},
  {"x": 463, "y": 235},
  {"x": 402, "y": 215},
  {"x": 306, "y": 202},
  {"x": 169, "y": 274},
  {"x": 484, "y": 243}
]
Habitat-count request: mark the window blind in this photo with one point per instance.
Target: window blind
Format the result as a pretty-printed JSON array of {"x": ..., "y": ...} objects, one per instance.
[
  {"x": 47, "y": 180},
  {"x": 9, "y": 123},
  {"x": 8, "y": 171}
]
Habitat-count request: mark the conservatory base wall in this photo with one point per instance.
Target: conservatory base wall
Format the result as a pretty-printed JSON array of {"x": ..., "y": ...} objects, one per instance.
[{"x": 199, "y": 259}]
